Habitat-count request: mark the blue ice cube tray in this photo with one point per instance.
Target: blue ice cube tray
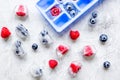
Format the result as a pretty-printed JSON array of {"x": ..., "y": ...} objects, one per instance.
[{"x": 64, "y": 19}]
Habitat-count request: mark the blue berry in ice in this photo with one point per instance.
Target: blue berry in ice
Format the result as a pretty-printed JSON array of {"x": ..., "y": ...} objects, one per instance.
[
  {"x": 73, "y": 13},
  {"x": 69, "y": 7}
]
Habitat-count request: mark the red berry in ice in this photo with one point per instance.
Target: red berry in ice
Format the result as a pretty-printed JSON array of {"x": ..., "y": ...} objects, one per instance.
[
  {"x": 88, "y": 51},
  {"x": 63, "y": 49},
  {"x": 21, "y": 10},
  {"x": 55, "y": 11},
  {"x": 75, "y": 68}
]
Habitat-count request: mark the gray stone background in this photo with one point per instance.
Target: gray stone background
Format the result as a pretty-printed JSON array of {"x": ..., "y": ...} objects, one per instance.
[{"x": 13, "y": 68}]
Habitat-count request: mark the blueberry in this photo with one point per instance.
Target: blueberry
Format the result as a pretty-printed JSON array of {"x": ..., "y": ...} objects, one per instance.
[
  {"x": 34, "y": 46},
  {"x": 43, "y": 33},
  {"x": 106, "y": 64},
  {"x": 18, "y": 44},
  {"x": 39, "y": 72},
  {"x": 36, "y": 72},
  {"x": 44, "y": 41},
  {"x": 103, "y": 37},
  {"x": 69, "y": 7},
  {"x": 24, "y": 33},
  {"x": 73, "y": 13},
  {"x": 17, "y": 51},
  {"x": 94, "y": 14},
  {"x": 93, "y": 21}
]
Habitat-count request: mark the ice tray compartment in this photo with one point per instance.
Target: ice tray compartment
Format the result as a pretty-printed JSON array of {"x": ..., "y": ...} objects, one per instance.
[
  {"x": 83, "y": 3},
  {"x": 63, "y": 19},
  {"x": 71, "y": 9},
  {"x": 49, "y": 14},
  {"x": 45, "y": 3}
]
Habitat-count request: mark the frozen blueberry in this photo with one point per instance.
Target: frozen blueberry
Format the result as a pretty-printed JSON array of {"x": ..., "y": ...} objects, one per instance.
[
  {"x": 73, "y": 13},
  {"x": 103, "y": 37},
  {"x": 34, "y": 46},
  {"x": 69, "y": 7},
  {"x": 46, "y": 32},
  {"x": 20, "y": 53},
  {"x": 94, "y": 14},
  {"x": 22, "y": 31},
  {"x": 44, "y": 41},
  {"x": 106, "y": 64},
  {"x": 36, "y": 72},
  {"x": 18, "y": 44},
  {"x": 43, "y": 33},
  {"x": 93, "y": 21},
  {"x": 17, "y": 51},
  {"x": 39, "y": 72}
]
